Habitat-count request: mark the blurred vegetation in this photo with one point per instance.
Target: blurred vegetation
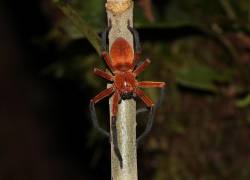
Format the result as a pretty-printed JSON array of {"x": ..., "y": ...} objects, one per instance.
[{"x": 201, "y": 48}]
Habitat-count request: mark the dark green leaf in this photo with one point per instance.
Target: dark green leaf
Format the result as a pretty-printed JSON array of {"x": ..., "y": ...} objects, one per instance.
[
  {"x": 243, "y": 102},
  {"x": 82, "y": 26},
  {"x": 200, "y": 77}
]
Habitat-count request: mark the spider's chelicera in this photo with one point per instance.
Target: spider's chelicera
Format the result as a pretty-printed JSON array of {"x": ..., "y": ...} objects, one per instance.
[{"x": 123, "y": 64}]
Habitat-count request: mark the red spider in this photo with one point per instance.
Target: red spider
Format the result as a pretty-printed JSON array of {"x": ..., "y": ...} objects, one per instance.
[{"x": 122, "y": 63}]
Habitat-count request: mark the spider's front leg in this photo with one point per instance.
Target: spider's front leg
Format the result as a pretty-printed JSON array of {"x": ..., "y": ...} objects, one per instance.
[{"x": 116, "y": 99}]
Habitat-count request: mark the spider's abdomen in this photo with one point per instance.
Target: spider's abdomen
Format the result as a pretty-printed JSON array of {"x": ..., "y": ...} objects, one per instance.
[{"x": 122, "y": 55}]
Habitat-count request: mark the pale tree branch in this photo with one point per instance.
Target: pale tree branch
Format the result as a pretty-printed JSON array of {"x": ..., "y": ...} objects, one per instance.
[{"x": 119, "y": 12}]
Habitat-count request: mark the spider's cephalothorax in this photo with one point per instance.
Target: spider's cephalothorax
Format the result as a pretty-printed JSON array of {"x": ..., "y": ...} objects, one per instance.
[{"x": 122, "y": 62}]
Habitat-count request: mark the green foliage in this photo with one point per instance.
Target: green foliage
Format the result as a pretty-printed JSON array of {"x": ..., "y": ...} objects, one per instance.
[
  {"x": 244, "y": 102},
  {"x": 200, "y": 77}
]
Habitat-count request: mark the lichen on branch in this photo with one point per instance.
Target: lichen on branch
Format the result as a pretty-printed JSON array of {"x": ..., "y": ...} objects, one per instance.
[{"x": 118, "y": 7}]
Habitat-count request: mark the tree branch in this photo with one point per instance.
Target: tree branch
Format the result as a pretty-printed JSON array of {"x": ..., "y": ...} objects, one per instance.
[{"x": 119, "y": 12}]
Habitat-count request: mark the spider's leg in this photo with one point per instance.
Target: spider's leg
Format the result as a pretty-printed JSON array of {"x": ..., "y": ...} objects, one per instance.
[
  {"x": 136, "y": 41},
  {"x": 148, "y": 126},
  {"x": 107, "y": 60},
  {"x": 158, "y": 102},
  {"x": 141, "y": 67},
  {"x": 102, "y": 94},
  {"x": 103, "y": 74},
  {"x": 149, "y": 103},
  {"x": 150, "y": 117},
  {"x": 98, "y": 97},
  {"x": 152, "y": 84},
  {"x": 144, "y": 98},
  {"x": 105, "y": 54},
  {"x": 141, "y": 110},
  {"x": 116, "y": 100},
  {"x": 104, "y": 37},
  {"x": 95, "y": 120}
]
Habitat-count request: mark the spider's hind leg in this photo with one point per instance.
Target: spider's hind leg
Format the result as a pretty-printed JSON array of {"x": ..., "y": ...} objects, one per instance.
[
  {"x": 104, "y": 37},
  {"x": 137, "y": 44},
  {"x": 104, "y": 49}
]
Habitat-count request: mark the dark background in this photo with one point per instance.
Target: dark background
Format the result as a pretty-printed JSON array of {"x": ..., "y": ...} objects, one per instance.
[{"x": 200, "y": 48}]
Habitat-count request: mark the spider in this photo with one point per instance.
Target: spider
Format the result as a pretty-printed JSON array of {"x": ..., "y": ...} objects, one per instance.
[{"x": 123, "y": 64}]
